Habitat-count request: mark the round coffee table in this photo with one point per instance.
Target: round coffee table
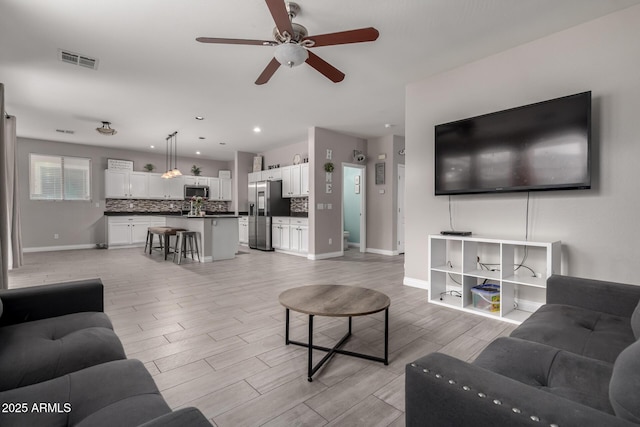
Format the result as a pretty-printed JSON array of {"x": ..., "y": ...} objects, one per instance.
[{"x": 335, "y": 301}]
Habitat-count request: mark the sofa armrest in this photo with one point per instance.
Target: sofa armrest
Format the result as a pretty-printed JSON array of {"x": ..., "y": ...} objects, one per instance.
[
  {"x": 44, "y": 301},
  {"x": 455, "y": 393},
  {"x": 597, "y": 295},
  {"x": 183, "y": 417}
]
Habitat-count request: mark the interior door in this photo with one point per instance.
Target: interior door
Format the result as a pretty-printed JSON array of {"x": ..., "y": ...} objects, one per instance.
[{"x": 400, "y": 218}]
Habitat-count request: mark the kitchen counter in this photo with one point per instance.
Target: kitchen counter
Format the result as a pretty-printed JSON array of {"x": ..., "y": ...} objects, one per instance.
[
  {"x": 218, "y": 237},
  {"x": 159, "y": 213}
]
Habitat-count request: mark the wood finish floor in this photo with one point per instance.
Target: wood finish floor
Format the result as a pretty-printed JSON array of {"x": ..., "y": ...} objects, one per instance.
[{"x": 212, "y": 335}]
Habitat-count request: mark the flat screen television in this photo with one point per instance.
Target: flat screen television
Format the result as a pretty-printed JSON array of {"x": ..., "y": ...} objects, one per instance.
[{"x": 542, "y": 146}]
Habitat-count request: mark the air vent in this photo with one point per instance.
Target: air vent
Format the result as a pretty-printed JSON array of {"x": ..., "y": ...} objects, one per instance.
[
  {"x": 70, "y": 132},
  {"x": 77, "y": 59}
]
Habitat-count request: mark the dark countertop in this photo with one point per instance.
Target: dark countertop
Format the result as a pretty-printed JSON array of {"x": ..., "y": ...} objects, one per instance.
[
  {"x": 158, "y": 213},
  {"x": 300, "y": 214}
]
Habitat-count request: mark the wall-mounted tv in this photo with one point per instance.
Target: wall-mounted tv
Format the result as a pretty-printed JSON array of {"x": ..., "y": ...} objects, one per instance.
[{"x": 542, "y": 146}]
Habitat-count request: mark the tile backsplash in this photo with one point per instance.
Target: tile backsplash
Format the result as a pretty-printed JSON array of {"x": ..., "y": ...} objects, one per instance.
[
  {"x": 146, "y": 205},
  {"x": 299, "y": 204}
]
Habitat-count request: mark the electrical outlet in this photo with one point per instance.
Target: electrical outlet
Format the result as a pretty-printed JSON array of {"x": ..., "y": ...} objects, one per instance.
[
  {"x": 56, "y": 236},
  {"x": 329, "y": 154},
  {"x": 131, "y": 205},
  {"x": 330, "y": 240},
  {"x": 171, "y": 205}
]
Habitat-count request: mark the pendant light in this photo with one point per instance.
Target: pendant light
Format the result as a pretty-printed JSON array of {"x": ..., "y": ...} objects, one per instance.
[
  {"x": 166, "y": 174},
  {"x": 175, "y": 171}
]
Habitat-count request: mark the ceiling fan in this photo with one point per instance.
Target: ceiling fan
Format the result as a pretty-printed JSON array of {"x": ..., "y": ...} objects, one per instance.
[{"x": 293, "y": 42}]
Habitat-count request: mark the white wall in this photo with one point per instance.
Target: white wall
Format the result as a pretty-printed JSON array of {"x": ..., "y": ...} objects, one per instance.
[{"x": 599, "y": 228}]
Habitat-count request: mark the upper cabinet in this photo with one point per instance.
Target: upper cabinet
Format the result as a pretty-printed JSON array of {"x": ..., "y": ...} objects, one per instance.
[
  {"x": 161, "y": 188},
  {"x": 220, "y": 189},
  {"x": 295, "y": 180},
  {"x": 120, "y": 184},
  {"x": 196, "y": 180}
]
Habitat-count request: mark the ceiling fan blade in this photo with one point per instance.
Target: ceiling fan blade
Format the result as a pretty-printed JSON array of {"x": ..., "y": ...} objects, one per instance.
[
  {"x": 280, "y": 16},
  {"x": 326, "y": 69},
  {"x": 236, "y": 41},
  {"x": 344, "y": 37},
  {"x": 268, "y": 72}
]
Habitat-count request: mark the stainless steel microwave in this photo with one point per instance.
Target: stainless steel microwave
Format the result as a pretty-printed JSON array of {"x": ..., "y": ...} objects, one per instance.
[{"x": 196, "y": 190}]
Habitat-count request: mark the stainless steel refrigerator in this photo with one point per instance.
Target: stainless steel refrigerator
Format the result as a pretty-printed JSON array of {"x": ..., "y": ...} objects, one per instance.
[{"x": 265, "y": 201}]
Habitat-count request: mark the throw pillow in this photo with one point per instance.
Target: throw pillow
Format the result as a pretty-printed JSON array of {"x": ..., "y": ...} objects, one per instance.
[{"x": 624, "y": 387}]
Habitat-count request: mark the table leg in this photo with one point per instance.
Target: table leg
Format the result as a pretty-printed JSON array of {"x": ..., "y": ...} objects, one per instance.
[
  {"x": 386, "y": 336},
  {"x": 310, "y": 370},
  {"x": 286, "y": 329},
  {"x": 166, "y": 246}
]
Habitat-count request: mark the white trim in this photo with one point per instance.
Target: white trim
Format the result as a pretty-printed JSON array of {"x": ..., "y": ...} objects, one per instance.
[
  {"x": 416, "y": 283},
  {"x": 325, "y": 255},
  {"x": 60, "y": 248},
  {"x": 284, "y": 251},
  {"x": 382, "y": 252}
]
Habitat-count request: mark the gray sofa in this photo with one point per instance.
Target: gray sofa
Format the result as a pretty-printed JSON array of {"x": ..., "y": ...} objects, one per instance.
[
  {"x": 61, "y": 364},
  {"x": 574, "y": 362}
]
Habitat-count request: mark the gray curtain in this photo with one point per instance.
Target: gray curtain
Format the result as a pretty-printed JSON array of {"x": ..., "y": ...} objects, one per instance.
[{"x": 10, "y": 232}]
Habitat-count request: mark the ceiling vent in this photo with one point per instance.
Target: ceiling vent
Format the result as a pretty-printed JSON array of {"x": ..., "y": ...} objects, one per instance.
[
  {"x": 77, "y": 59},
  {"x": 67, "y": 131}
]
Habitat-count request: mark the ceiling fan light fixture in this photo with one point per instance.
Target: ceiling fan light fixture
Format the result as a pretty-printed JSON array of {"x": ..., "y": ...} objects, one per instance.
[
  {"x": 106, "y": 129},
  {"x": 291, "y": 54}
]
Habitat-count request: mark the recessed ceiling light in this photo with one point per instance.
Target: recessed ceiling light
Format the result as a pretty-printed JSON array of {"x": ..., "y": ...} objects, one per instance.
[
  {"x": 257, "y": 129},
  {"x": 199, "y": 118},
  {"x": 152, "y": 146},
  {"x": 388, "y": 125},
  {"x": 197, "y": 152}
]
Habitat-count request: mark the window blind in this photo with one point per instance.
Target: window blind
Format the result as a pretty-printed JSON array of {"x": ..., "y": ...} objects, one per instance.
[{"x": 59, "y": 178}]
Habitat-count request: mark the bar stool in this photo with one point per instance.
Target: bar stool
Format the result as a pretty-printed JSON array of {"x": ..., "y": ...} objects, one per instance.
[
  {"x": 165, "y": 232},
  {"x": 184, "y": 239}
]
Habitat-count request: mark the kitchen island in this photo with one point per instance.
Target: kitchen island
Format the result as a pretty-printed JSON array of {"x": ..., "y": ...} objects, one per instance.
[{"x": 217, "y": 234}]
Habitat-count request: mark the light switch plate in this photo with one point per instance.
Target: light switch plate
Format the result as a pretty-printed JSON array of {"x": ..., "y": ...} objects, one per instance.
[{"x": 329, "y": 154}]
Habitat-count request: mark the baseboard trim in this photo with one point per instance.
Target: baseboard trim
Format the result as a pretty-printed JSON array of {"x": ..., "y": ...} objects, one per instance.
[
  {"x": 382, "y": 252},
  {"x": 283, "y": 251},
  {"x": 328, "y": 255},
  {"x": 60, "y": 248},
  {"x": 416, "y": 283}
]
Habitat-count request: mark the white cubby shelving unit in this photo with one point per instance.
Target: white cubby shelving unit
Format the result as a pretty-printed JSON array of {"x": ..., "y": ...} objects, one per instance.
[{"x": 521, "y": 268}]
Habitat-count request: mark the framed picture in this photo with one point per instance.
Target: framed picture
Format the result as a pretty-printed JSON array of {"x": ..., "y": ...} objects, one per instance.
[
  {"x": 257, "y": 163},
  {"x": 379, "y": 173}
]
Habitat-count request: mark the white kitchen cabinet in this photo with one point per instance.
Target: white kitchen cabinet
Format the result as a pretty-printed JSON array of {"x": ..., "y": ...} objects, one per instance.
[
  {"x": 271, "y": 174},
  {"x": 304, "y": 179},
  {"x": 299, "y": 235},
  {"x": 280, "y": 233},
  {"x": 255, "y": 176},
  {"x": 128, "y": 231},
  {"x": 120, "y": 184},
  {"x": 168, "y": 189},
  {"x": 196, "y": 180},
  {"x": 220, "y": 189},
  {"x": 243, "y": 230},
  {"x": 292, "y": 181}
]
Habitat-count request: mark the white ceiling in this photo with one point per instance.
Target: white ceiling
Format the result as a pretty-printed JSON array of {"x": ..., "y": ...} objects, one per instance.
[{"x": 153, "y": 77}]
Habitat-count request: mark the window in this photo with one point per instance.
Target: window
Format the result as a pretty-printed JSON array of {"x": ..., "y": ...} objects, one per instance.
[{"x": 59, "y": 178}]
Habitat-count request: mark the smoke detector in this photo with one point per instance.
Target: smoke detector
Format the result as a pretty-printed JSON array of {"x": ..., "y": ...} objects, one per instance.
[{"x": 106, "y": 129}]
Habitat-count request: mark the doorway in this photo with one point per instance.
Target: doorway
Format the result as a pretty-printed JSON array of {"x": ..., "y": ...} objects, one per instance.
[{"x": 353, "y": 206}]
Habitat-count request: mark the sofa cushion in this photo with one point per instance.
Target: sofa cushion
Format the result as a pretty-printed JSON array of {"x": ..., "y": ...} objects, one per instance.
[
  {"x": 37, "y": 351},
  {"x": 0, "y": 307},
  {"x": 589, "y": 333},
  {"x": 635, "y": 321},
  {"x": 119, "y": 393},
  {"x": 574, "y": 377},
  {"x": 624, "y": 387}
]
